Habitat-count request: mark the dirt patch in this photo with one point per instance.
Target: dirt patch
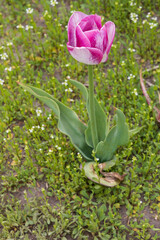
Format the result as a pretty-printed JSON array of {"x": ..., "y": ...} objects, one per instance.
[{"x": 34, "y": 192}]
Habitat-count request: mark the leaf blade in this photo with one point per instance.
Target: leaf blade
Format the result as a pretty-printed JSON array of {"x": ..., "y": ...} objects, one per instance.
[
  {"x": 117, "y": 136},
  {"x": 101, "y": 120},
  {"x": 68, "y": 121}
]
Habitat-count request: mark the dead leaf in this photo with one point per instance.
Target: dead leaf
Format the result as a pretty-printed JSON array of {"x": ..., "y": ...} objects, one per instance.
[{"x": 109, "y": 179}]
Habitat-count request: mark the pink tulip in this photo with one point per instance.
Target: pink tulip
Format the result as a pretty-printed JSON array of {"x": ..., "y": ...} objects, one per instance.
[{"x": 88, "y": 41}]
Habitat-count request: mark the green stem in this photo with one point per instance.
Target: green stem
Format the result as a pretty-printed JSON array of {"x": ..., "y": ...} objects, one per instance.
[{"x": 92, "y": 107}]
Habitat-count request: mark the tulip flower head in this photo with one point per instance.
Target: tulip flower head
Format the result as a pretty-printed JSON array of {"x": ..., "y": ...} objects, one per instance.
[{"x": 88, "y": 41}]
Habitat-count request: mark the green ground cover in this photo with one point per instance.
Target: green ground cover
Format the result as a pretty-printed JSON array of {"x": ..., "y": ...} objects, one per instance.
[{"x": 43, "y": 192}]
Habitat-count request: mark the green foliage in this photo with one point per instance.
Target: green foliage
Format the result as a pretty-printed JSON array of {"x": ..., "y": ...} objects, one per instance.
[
  {"x": 101, "y": 120},
  {"x": 117, "y": 136},
  {"x": 79, "y": 134},
  {"x": 43, "y": 192},
  {"x": 68, "y": 123}
]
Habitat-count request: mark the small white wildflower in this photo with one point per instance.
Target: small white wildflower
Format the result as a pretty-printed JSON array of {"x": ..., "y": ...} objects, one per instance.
[
  {"x": 140, "y": 7},
  {"x": 131, "y": 76},
  {"x": 2, "y": 47},
  {"x": 1, "y": 81},
  {"x": 45, "y": 13},
  {"x": 40, "y": 149},
  {"x": 61, "y": 45},
  {"x": 144, "y": 21},
  {"x": 59, "y": 148},
  {"x": 31, "y": 130},
  {"x": 8, "y": 69},
  {"x": 123, "y": 63},
  {"x": 68, "y": 90},
  {"x": 42, "y": 127},
  {"x": 49, "y": 117},
  {"x": 154, "y": 18},
  {"x": 20, "y": 26},
  {"x": 4, "y": 139},
  {"x": 148, "y": 15},
  {"x": 135, "y": 92},
  {"x": 68, "y": 77},
  {"x": 114, "y": 46},
  {"x": 52, "y": 136},
  {"x": 29, "y": 10},
  {"x": 67, "y": 64},
  {"x": 72, "y": 11},
  {"x": 4, "y": 56},
  {"x": 27, "y": 27},
  {"x": 50, "y": 150},
  {"x": 9, "y": 44},
  {"x": 140, "y": 202},
  {"x": 131, "y": 49},
  {"x": 134, "y": 17},
  {"x": 153, "y": 25},
  {"x": 66, "y": 27},
  {"x": 79, "y": 155},
  {"x": 132, "y": 3},
  {"x": 65, "y": 82},
  {"x": 53, "y": 3},
  {"x": 8, "y": 130},
  {"x": 97, "y": 159},
  {"x": 38, "y": 111}
]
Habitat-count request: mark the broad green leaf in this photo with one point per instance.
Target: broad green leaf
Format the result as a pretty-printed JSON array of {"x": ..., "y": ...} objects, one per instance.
[
  {"x": 117, "y": 136},
  {"x": 135, "y": 131},
  {"x": 109, "y": 179},
  {"x": 88, "y": 135},
  {"x": 101, "y": 120},
  {"x": 68, "y": 121}
]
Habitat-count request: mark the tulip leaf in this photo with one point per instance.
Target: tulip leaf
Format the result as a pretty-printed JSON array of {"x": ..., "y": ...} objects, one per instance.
[
  {"x": 81, "y": 87},
  {"x": 68, "y": 121},
  {"x": 88, "y": 135},
  {"x": 101, "y": 119},
  {"x": 108, "y": 179},
  {"x": 117, "y": 136}
]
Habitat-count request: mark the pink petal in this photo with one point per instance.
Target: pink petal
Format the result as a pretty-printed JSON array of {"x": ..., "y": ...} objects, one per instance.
[
  {"x": 87, "y": 55},
  {"x": 110, "y": 28},
  {"x": 102, "y": 39},
  {"x": 91, "y": 35},
  {"x": 72, "y": 24},
  {"x": 82, "y": 40},
  {"x": 90, "y": 22},
  {"x": 105, "y": 57}
]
